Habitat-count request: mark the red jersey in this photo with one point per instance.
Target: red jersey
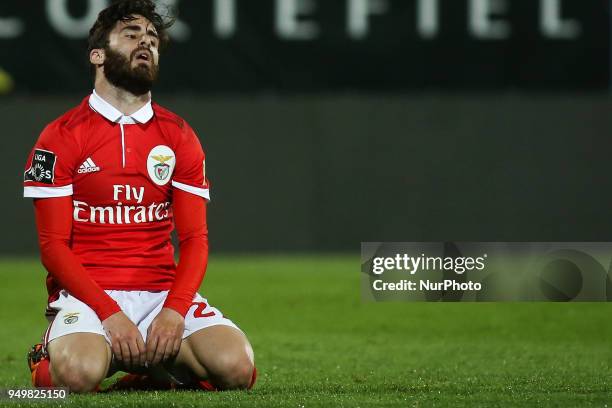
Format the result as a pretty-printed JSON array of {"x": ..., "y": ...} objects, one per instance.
[{"x": 120, "y": 171}]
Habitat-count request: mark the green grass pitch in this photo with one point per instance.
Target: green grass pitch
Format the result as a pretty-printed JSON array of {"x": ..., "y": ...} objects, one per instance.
[{"x": 317, "y": 344}]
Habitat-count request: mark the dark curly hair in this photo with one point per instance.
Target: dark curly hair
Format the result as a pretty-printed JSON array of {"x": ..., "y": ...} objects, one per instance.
[{"x": 124, "y": 10}]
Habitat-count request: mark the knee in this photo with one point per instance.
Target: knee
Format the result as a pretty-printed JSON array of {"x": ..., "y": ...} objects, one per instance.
[
  {"x": 78, "y": 373},
  {"x": 233, "y": 372}
]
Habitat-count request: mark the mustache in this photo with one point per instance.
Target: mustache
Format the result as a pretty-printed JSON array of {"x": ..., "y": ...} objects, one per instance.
[{"x": 141, "y": 49}]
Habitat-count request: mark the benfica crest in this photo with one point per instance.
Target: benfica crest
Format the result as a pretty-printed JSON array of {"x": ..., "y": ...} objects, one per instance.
[
  {"x": 162, "y": 170},
  {"x": 160, "y": 164}
]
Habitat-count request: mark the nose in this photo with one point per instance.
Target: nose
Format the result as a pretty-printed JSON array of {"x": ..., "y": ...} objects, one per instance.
[{"x": 145, "y": 41}]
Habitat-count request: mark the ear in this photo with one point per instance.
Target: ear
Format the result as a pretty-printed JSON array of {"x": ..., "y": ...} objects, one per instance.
[{"x": 97, "y": 56}]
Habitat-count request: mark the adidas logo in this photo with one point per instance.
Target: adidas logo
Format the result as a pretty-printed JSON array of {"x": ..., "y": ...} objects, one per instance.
[{"x": 88, "y": 166}]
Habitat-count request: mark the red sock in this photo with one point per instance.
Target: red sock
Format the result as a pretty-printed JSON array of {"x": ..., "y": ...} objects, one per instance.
[
  {"x": 41, "y": 377},
  {"x": 206, "y": 386}
]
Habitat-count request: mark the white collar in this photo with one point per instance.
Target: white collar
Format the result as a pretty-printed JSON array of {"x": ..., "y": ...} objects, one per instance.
[{"x": 142, "y": 115}]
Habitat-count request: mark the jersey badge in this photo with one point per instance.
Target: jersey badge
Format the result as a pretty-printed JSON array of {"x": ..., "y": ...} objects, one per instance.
[
  {"x": 42, "y": 168},
  {"x": 160, "y": 164}
]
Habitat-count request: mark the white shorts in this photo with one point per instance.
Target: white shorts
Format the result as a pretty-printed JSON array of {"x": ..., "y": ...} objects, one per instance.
[{"x": 141, "y": 307}]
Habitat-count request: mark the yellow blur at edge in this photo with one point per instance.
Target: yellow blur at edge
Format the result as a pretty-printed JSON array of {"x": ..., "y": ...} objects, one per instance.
[{"x": 6, "y": 82}]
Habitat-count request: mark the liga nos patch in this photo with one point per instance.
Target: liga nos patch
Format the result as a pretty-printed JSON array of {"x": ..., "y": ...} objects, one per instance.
[{"x": 42, "y": 168}]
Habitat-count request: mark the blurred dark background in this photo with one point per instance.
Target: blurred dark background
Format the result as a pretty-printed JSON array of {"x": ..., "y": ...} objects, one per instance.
[{"x": 328, "y": 123}]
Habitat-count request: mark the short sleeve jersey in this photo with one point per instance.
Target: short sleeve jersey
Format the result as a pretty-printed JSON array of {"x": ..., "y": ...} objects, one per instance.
[{"x": 120, "y": 171}]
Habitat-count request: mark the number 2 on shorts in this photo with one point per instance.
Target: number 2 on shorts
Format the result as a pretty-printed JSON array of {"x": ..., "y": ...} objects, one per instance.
[{"x": 201, "y": 307}]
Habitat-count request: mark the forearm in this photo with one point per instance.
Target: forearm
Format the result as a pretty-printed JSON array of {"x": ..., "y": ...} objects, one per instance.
[
  {"x": 190, "y": 221},
  {"x": 189, "y": 273},
  {"x": 67, "y": 270},
  {"x": 54, "y": 223}
]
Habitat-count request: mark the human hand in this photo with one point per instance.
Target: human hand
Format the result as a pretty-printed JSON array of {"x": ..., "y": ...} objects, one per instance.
[
  {"x": 164, "y": 336},
  {"x": 126, "y": 341}
]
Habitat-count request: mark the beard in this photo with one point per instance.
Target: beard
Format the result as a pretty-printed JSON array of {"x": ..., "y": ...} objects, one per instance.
[{"x": 119, "y": 72}]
